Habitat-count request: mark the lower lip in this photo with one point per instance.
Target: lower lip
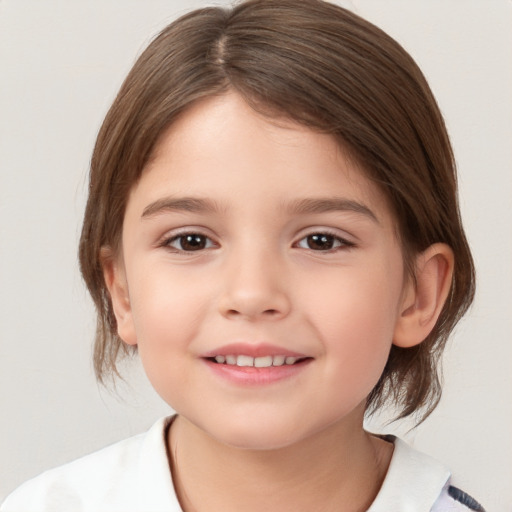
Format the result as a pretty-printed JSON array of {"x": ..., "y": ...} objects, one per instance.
[{"x": 252, "y": 376}]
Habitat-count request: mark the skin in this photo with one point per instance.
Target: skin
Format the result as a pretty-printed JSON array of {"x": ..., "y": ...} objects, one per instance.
[{"x": 257, "y": 275}]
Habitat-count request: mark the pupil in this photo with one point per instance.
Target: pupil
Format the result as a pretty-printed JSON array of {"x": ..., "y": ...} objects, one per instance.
[
  {"x": 193, "y": 242},
  {"x": 320, "y": 242}
]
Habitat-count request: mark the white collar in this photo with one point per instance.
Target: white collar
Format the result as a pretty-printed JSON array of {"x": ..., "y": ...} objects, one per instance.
[
  {"x": 155, "y": 489},
  {"x": 413, "y": 482}
]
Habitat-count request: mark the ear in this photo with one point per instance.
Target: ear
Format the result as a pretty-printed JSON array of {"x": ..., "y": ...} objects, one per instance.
[
  {"x": 115, "y": 279},
  {"x": 424, "y": 299}
]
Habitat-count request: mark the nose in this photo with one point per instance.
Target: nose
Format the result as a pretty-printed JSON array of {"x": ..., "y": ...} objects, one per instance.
[{"x": 254, "y": 287}]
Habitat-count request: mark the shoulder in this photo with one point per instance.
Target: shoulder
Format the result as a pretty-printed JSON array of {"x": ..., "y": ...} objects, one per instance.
[
  {"x": 113, "y": 479},
  {"x": 417, "y": 482}
]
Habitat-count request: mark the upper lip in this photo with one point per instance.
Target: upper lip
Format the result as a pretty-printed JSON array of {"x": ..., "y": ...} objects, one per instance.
[{"x": 252, "y": 350}]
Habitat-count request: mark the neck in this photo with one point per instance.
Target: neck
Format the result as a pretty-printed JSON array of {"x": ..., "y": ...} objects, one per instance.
[{"x": 341, "y": 468}]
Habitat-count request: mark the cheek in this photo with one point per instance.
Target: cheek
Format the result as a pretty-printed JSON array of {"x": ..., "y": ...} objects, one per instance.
[
  {"x": 167, "y": 314},
  {"x": 164, "y": 305},
  {"x": 164, "y": 326},
  {"x": 355, "y": 319},
  {"x": 354, "y": 303}
]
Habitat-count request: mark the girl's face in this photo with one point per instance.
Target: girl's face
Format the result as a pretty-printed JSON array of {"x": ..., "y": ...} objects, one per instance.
[{"x": 255, "y": 242}]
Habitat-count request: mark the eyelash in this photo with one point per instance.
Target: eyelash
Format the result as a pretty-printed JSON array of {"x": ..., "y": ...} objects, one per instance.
[
  {"x": 181, "y": 236},
  {"x": 343, "y": 243},
  {"x": 324, "y": 235}
]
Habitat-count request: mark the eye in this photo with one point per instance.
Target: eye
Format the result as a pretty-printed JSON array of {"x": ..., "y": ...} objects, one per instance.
[
  {"x": 322, "y": 242},
  {"x": 189, "y": 242}
]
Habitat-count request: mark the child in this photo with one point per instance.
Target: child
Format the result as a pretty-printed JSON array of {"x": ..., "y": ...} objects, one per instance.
[{"x": 272, "y": 224}]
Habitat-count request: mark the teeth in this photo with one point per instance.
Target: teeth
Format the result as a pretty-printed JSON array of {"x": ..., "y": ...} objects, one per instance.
[
  {"x": 263, "y": 362},
  {"x": 245, "y": 361},
  {"x": 258, "y": 362},
  {"x": 278, "y": 360}
]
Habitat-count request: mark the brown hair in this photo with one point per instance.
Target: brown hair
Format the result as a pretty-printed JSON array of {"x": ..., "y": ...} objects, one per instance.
[{"x": 325, "y": 67}]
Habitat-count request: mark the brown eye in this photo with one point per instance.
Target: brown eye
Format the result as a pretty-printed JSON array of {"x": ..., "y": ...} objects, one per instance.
[
  {"x": 322, "y": 242},
  {"x": 190, "y": 242}
]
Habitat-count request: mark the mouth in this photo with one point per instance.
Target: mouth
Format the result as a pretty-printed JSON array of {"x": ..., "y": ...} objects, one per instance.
[
  {"x": 257, "y": 362},
  {"x": 258, "y": 370}
]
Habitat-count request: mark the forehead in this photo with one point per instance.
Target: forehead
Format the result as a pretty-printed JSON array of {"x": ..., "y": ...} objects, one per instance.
[{"x": 222, "y": 148}]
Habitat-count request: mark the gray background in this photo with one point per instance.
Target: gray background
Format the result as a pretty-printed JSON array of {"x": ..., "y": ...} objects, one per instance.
[{"x": 61, "y": 63}]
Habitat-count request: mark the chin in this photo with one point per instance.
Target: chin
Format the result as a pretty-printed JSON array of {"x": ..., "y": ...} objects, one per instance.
[{"x": 260, "y": 432}]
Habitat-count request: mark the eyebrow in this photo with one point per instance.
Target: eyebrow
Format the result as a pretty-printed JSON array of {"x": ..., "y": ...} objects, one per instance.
[
  {"x": 331, "y": 204},
  {"x": 184, "y": 204},
  {"x": 298, "y": 207}
]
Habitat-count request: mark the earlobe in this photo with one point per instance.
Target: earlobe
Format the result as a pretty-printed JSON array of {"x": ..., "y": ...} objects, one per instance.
[
  {"x": 424, "y": 299},
  {"x": 115, "y": 279}
]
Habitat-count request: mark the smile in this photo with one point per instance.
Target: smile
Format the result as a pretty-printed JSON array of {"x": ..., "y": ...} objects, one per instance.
[
  {"x": 257, "y": 362},
  {"x": 255, "y": 365}
]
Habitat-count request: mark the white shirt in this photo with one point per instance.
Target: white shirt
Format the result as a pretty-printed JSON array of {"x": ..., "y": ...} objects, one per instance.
[{"x": 134, "y": 476}]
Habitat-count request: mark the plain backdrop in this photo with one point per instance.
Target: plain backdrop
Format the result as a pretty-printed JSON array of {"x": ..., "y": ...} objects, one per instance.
[{"x": 61, "y": 63}]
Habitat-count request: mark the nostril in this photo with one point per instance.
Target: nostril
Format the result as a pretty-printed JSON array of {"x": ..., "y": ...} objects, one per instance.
[
  {"x": 270, "y": 305},
  {"x": 269, "y": 313}
]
